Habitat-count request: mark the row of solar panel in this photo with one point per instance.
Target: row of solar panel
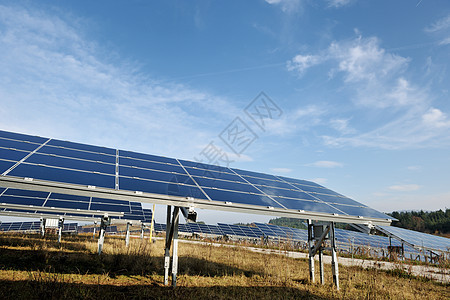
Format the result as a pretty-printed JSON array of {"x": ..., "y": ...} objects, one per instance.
[
  {"x": 91, "y": 229},
  {"x": 67, "y": 162},
  {"x": 343, "y": 237},
  {"x": 29, "y": 202},
  {"x": 33, "y": 226}
]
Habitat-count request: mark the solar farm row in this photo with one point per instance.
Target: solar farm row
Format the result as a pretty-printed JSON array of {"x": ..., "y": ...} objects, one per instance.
[
  {"x": 50, "y": 160},
  {"x": 33, "y": 226},
  {"x": 345, "y": 239}
]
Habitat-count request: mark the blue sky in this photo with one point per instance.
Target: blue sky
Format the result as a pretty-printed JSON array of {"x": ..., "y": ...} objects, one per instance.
[{"x": 363, "y": 86}]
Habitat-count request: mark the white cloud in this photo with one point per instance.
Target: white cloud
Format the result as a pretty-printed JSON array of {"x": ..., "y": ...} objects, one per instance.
[
  {"x": 339, "y": 3},
  {"x": 300, "y": 63},
  {"x": 404, "y": 187},
  {"x": 445, "y": 41},
  {"x": 287, "y": 6},
  {"x": 362, "y": 59},
  {"x": 326, "y": 164},
  {"x": 435, "y": 118},
  {"x": 57, "y": 83},
  {"x": 281, "y": 170},
  {"x": 441, "y": 24},
  {"x": 342, "y": 126}
]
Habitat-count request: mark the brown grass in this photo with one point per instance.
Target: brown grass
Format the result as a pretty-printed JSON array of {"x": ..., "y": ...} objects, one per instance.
[{"x": 31, "y": 268}]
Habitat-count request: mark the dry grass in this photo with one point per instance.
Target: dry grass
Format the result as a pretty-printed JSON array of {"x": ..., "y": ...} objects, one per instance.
[{"x": 31, "y": 268}]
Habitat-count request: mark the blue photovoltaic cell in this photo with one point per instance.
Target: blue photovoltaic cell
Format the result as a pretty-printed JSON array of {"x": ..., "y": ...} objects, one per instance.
[
  {"x": 66, "y": 204},
  {"x": 5, "y": 165},
  {"x": 26, "y": 193},
  {"x": 338, "y": 200},
  {"x": 361, "y": 211},
  {"x": 299, "y": 181},
  {"x": 78, "y": 154},
  {"x": 172, "y": 189},
  {"x": 77, "y": 146},
  {"x": 254, "y": 174},
  {"x": 68, "y": 163},
  {"x": 151, "y": 165},
  {"x": 226, "y": 185},
  {"x": 148, "y": 157},
  {"x": 155, "y": 175},
  {"x": 270, "y": 183},
  {"x": 214, "y": 174},
  {"x": 13, "y": 155},
  {"x": 243, "y": 198},
  {"x": 18, "y": 145},
  {"x": 307, "y": 205},
  {"x": 312, "y": 189},
  {"x": 62, "y": 175},
  {"x": 21, "y": 200},
  {"x": 296, "y": 194},
  {"x": 58, "y": 196},
  {"x": 205, "y": 167},
  {"x": 22, "y": 137}
]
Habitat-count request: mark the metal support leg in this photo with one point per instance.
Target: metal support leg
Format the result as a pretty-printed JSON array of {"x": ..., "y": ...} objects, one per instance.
[
  {"x": 95, "y": 227},
  {"x": 310, "y": 246},
  {"x": 322, "y": 280},
  {"x": 43, "y": 228},
  {"x": 167, "y": 248},
  {"x": 175, "y": 220},
  {"x": 60, "y": 228},
  {"x": 334, "y": 262},
  {"x": 103, "y": 224},
  {"x": 142, "y": 231},
  {"x": 127, "y": 236}
]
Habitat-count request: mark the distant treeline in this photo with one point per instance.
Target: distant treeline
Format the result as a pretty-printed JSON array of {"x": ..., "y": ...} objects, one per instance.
[{"x": 435, "y": 222}]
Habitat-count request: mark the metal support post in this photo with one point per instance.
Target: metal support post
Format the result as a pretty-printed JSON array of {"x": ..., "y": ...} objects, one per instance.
[
  {"x": 322, "y": 280},
  {"x": 167, "y": 247},
  {"x": 175, "y": 220},
  {"x": 334, "y": 262},
  {"x": 127, "y": 236},
  {"x": 310, "y": 247},
  {"x": 60, "y": 228},
  {"x": 142, "y": 231},
  {"x": 152, "y": 224},
  {"x": 103, "y": 224},
  {"x": 43, "y": 227},
  {"x": 93, "y": 234}
]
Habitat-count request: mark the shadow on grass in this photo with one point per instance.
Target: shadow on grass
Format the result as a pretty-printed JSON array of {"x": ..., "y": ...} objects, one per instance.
[
  {"x": 33, "y": 289},
  {"x": 111, "y": 264}
]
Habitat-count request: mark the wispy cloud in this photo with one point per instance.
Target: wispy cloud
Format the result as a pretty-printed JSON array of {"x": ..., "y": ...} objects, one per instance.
[
  {"x": 440, "y": 29},
  {"x": 339, "y": 3},
  {"x": 287, "y": 6},
  {"x": 441, "y": 24},
  {"x": 53, "y": 77},
  {"x": 320, "y": 180},
  {"x": 404, "y": 187},
  {"x": 326, "y": 164},
  {"x": 376, "y": 79}
]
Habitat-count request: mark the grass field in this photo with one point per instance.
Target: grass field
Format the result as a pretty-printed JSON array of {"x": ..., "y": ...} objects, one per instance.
[{"x": 32, "y": 268}]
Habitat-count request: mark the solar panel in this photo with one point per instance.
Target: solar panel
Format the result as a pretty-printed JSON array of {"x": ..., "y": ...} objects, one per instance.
[
  {"x": 20, "y": 226},
  {"x": 419, "y": 239},
  {"x": 52, "y": 165},
  {"x": 42, "y": 202}
]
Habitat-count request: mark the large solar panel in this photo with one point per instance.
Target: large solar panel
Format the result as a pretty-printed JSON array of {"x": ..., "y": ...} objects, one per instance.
[
  {"x": 20, "y": 226},
  {"x": 46, "y": 164},
  {"x": 418, "y": 239}
]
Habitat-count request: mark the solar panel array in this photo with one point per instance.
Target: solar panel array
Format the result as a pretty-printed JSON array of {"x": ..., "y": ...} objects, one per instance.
[
  {"x": 33, "y": 226},
  {"x": 20, "y": 226},
  {"x": 25, "y": 156},
  {"x": 419, "y": 239},
  {"x": 35, "y": 202}
]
